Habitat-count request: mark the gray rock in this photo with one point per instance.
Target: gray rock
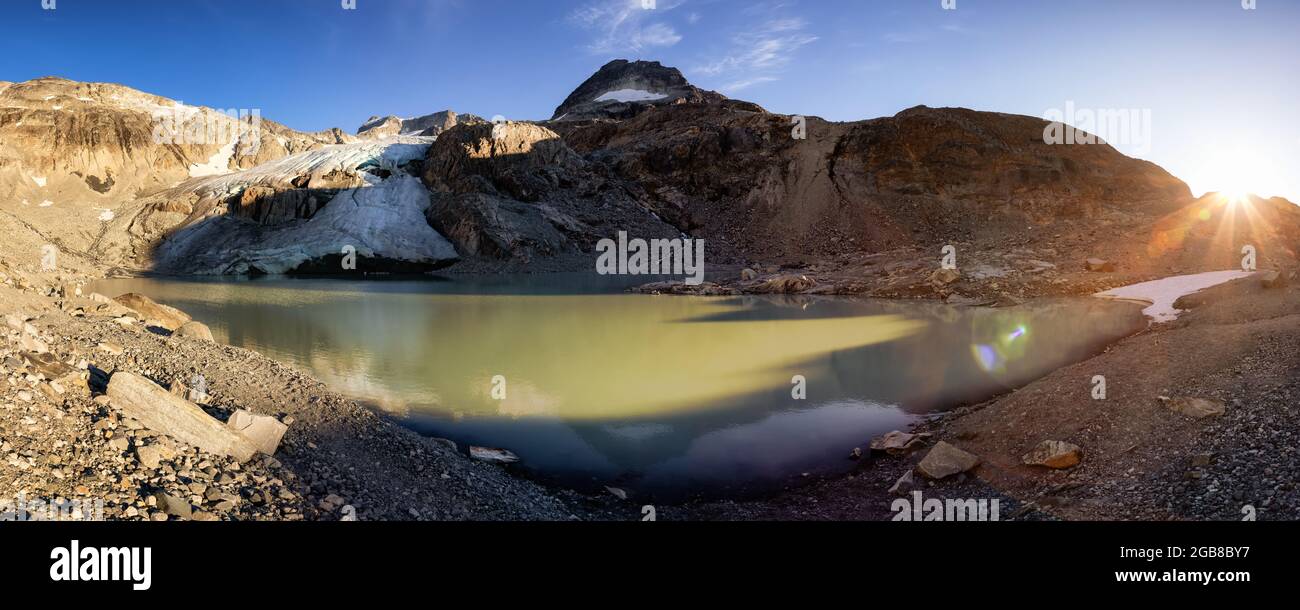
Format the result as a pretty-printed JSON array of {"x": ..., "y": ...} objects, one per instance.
[
  {"x": 1275, "y": 279},
  {"x": 945, "y": 460},
  {"x": 263, "y": 431},
  {"x": 174, "y": 506},
  {"x": 1054, "y": 454},
  {"x": 1100, "y": 265},
  {"x": 494, "y": 456},
  {"x": 1198, "y": 408},
  {"x": 195, "y": 330},
  {"x": 162, "y": 412}
]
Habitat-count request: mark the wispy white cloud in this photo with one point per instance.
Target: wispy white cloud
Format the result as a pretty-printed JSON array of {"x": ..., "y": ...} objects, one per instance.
[
  {"x": 760, "y": 54},
  {"x": 621, "y": 26}
]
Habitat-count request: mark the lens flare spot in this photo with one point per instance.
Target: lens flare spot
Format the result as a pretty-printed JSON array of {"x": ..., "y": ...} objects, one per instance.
[{"x": 987, "y": 357}]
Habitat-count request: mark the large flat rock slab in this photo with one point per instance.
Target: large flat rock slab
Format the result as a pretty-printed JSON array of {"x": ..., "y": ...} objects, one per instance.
[{"x": 174, "y": 416}]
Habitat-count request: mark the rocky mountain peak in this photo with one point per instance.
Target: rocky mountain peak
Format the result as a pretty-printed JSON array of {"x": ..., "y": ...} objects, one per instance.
[
  {"x": 430, "y": 125},
  {"x": 622, "y": 89}
]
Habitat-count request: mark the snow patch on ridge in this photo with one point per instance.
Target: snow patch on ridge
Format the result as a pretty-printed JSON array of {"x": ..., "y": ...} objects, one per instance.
[
  {"x": 1161, "y": 294},
  {"x": 630, "y": 95},
  {"x": 218, "y": 164}
]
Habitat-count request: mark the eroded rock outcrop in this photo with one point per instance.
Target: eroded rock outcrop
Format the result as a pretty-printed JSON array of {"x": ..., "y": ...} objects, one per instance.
[{"x": 515, "y": 191}]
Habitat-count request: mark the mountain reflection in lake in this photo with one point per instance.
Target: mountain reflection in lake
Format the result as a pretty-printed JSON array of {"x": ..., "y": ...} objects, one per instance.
[{"x": 661, "y": 394}]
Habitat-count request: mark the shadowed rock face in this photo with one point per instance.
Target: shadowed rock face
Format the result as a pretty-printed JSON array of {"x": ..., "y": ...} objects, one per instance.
[
  {"x": 516, "y": 192},
  {"x": 622, "y": 89},
  {"x": 741, "y": 178}
]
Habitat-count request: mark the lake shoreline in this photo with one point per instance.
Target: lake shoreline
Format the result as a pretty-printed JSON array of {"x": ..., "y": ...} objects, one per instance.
[{"x": 334, "y": 442}]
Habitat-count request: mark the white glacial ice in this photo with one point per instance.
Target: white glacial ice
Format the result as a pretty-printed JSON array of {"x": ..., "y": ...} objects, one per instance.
[
  {"x": 383, "y": 219},
  {"x": 1161, "y": 294}
]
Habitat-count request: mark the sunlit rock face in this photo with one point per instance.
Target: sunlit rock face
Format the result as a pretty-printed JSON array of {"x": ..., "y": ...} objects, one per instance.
[
  {"x": 71, "y": 153},
  {"x": 305, "y": 213},
  {"x": 429, "y": 125}
]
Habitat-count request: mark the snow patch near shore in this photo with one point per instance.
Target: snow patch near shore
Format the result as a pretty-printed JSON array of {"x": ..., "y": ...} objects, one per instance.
[{"x": 1161, "y": 294}]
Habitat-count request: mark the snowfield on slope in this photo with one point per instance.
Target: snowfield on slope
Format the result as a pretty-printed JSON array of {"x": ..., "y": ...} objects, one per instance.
[{"x": 1161, "y": 294}]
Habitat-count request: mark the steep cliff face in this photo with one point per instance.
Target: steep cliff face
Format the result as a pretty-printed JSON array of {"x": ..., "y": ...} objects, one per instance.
[{"x": 71, "y": 153}]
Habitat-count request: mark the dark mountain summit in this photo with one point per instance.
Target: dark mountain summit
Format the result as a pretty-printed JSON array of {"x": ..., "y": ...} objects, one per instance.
[{"x": 622, "y": 89}]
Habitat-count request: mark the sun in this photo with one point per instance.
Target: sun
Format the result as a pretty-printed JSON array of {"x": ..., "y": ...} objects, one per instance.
[{"x": 1238, "y": 173}]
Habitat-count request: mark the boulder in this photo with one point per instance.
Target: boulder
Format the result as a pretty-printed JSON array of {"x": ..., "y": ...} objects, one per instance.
[
  {"x": 1197, "y": 408},
  {"x": 904, "y": 485},
  {"x": 946, "y": 460},
  {"x": 164, "y": 413},
  {"x": 943, "y": 277},
  {"x": 195, "y": 330},
  {"x": 1274, "y": 279},
  {"x": 29, "y": 343},
  {"x": 1100, "y": 265},
  {"x": 1054, "y": 454},
  {"x": 495, "y": 456},
  {"x": 263, "y": 431},
  {"x": 149, "y": 456},
  {"x": 748, "y": 275},
  {"x": 899, "y": 443},
  {"x": 173, "y": 505},
  {"x": 169, "y": 317}
]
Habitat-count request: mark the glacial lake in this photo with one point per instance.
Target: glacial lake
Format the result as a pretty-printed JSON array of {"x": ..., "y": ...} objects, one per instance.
[{"x": 664, "y": 396}]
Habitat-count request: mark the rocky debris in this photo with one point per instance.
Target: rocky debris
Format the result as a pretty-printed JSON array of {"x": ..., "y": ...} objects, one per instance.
[
  {"x": 168, "y": 317},
  {"x": 679, "y": 287},
  {"x": 195, "y": 330},
  {"x": 899, "y": 443},
  {"x": 263, "y": 431},
  {"x": 162, "y": 412},
  {"x": 1197, "y": 408},
  {"x": 784, "y": 284},
  {"x": 945, "y": 460},
  {"x": 111, "y": 349},
  {"x": 494, "y": 456},
  {"x": 1054, "y": 454},
  {"x": 1098, "y": 265},
  {"x": 1275, "y": 279}
]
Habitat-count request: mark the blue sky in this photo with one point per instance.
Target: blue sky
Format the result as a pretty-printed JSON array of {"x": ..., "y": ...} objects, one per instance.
[{"x": 1221, "y": 84}]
